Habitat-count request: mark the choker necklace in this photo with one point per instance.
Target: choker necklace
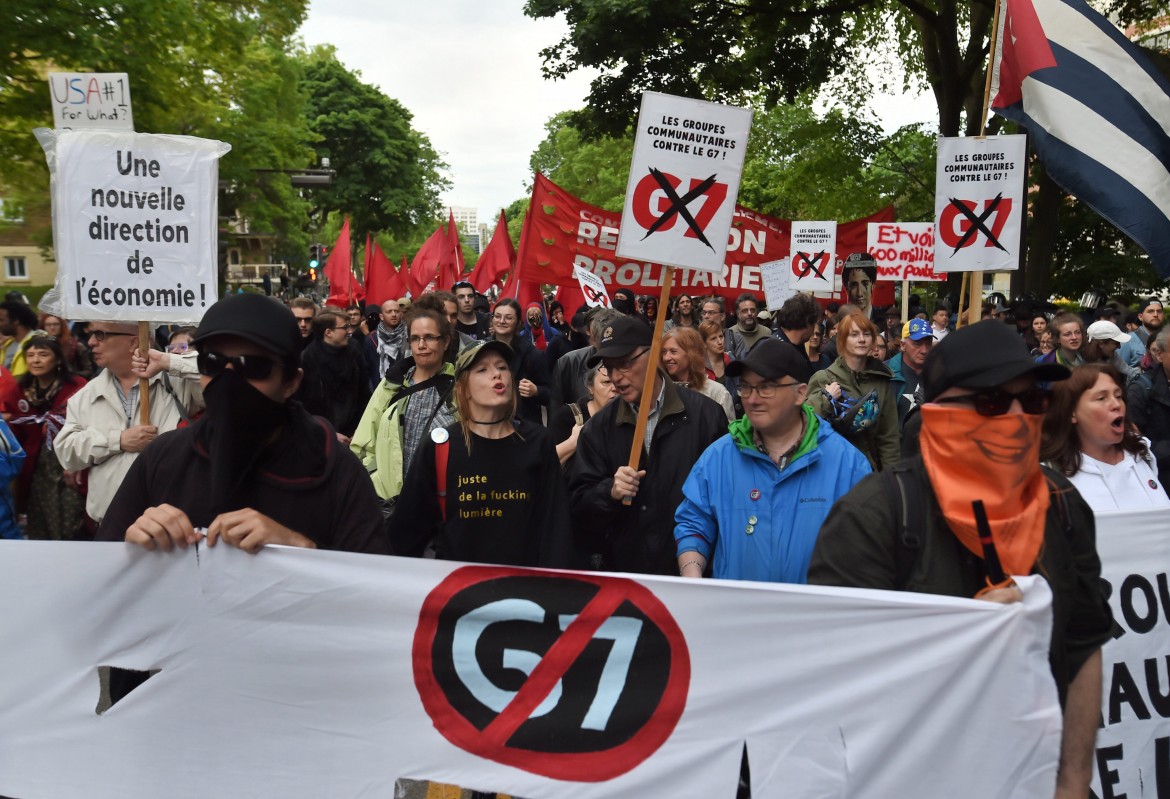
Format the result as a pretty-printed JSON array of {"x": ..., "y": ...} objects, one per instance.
[{"x": 497, "y": 421}]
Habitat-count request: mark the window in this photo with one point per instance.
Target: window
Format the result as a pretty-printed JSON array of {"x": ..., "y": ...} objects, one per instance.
[{"x": 15, "y": 269}]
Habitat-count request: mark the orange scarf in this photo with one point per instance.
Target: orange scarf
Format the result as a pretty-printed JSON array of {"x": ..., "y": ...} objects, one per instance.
[{"x": 995, "y": 459}]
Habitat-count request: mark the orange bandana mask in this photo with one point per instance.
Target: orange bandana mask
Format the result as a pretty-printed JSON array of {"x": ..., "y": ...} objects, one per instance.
[{"x": 995, "y": 459}]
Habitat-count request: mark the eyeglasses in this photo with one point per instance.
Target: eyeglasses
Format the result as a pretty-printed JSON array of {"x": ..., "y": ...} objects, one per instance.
[
  {"x": 763, "y": 390},
  {"x": 102, "y": 335},
  {"x": 428, "y": 339},
  {"x": 996, "y": 402},
  {"x": 178, "y": 348},
  {"x": 625, "y": 366},
  {"x": 249, "y": 367},
  {"x": 508, "y": 318}
]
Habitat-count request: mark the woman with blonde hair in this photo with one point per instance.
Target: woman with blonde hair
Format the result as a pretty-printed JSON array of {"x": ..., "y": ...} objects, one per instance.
[
  {"x": 683, "y": 359},
  {"x": 487, "y": 489}
]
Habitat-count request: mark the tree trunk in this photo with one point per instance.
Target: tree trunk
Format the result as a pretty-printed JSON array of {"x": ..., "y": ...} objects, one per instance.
[{"x": 1042, "y": 233}]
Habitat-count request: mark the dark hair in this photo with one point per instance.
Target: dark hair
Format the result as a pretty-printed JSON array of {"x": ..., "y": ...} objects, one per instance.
[
  {"x": 747, "y": 295},
  {"x": 798, "y": 312},
  {"x": 508, "y": 302},
  {"x": 1060, "y": 444},
  {"x": 43, "y": 341},
  {"x": 443, "y": 297},
  {"x": 21, "y": 314},
  {"x": 870, "y": 270},
  {"x": 325, "y": 321},
  {"x": 676, "y": 317},
  {"x": 179, "y": 331},
  {"x": 424, "y": 310}
]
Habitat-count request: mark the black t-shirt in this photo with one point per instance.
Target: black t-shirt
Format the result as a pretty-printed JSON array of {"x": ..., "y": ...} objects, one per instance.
[
  {"x": 478, "y": 330},
  {"x": 506, "y": 502}
]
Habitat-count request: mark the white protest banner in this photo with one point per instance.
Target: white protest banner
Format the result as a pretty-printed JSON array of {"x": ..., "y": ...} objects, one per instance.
[
  {"x": 91, "y": 100},
  {"x": 979, "y": 203},
  {"x": 134, "y": 225},
  {"x": 814, "y": 255},
  {"x": 592, "y": 287},
  {"x": 1133, "y": 745},
  {"x": 775, "y": 275},
  {"x": 684, "y": 178},
  {"x": 903, "y": 250},
  {"x": 371, "y": 670}
]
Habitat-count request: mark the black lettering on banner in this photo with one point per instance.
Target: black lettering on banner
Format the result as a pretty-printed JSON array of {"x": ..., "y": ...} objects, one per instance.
[
  {"x": 1123, "y": 690},
  {"x": 576, "y": 678},
  {"x": 1144, "y": 622},
  {"x": 1109, "y": 776}
]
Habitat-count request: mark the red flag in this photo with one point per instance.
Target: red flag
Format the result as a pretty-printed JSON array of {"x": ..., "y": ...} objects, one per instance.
[
  {"x": 497, "y": 259},
  {"x": 426, "y": 261},
  {"x": 570, "y": 296},
  {"x": 408, "y": 279},
  {"x": 382, "y": 280},
  {"x": 451, "y": 261},
  {"x": 339, "y": 270}
]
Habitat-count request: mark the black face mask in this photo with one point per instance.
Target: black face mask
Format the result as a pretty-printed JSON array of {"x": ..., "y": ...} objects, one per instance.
[{"x": 240, "y": 422}]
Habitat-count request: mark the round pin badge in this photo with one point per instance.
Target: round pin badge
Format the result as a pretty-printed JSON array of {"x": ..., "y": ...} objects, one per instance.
[
  {"x": 439, "y": 435},
  {"x": 23, "y": 406},
  {"x": 755, "y": 494},
  {"x": 1154, "y": 485}
]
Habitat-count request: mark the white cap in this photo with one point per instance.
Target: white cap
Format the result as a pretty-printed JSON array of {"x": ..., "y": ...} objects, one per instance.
[{"x": 1103, "y": 330}]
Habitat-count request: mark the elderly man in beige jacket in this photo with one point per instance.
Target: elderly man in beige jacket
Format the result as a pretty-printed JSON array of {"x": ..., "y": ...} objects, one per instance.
[{"x": 103, "y": 430}]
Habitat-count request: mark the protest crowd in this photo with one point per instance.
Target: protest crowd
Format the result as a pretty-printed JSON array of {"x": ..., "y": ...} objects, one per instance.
[{"x": 822, "y": 443}]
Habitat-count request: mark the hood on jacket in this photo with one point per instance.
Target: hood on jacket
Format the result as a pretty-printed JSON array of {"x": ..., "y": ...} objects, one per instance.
[{"x": 743, "y": 435}]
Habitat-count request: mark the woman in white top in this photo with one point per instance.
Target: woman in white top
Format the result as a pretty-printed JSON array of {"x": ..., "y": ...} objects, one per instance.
[
  {"x": 682, "y": 358},
  {"x": 1088, "y": 437}
]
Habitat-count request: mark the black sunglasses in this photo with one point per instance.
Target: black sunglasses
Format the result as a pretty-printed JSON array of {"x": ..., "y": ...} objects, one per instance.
[
  {"x": 996, "y": 402},
  {"x": 249, "y": 367}
]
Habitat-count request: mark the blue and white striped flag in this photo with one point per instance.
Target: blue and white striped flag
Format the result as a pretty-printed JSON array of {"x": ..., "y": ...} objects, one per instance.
[{"x": 1097, "y": 110}]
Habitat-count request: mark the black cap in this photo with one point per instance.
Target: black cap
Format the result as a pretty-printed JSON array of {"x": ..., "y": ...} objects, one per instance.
[
  {"x": 772, "y": 359},
  {"x": 474, "y": 352},
  {"x": 255, "y": 318},
  {"x": 621, "y": 338},
  {"x": 983, "y": 355}
]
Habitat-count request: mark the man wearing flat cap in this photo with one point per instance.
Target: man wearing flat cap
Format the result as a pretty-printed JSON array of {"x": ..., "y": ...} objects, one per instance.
[
  {"x": 755, "y": 499},
  {"x": 913, "y": 528},
  {"x": 256, "y": 469},
  {"x": 630, "y": 512}
]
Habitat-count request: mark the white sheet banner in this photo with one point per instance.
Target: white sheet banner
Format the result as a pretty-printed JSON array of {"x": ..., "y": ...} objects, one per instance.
[
  {"x": 979, "y": 203},
  {"x": 814, "y": 255},
  {"x": 299, "y": 673},
  {"x": 134, "y": 225},
  {"x": 903, "y": 250},
  {"x": 684, "y": 178},
  {"x": 1133, "y": 745}
]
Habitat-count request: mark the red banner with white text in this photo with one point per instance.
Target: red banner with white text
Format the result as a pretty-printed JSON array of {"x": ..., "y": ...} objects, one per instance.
[{"x": 564, "y": 230}]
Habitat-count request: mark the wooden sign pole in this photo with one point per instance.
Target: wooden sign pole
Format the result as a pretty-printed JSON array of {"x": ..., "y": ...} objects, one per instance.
[
  {"x": 648, "y": 398},
  {"x": 143, "y": 383}
]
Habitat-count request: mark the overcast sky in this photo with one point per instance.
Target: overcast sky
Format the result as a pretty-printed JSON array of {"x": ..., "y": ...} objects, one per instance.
[{"x": 469, "y": 71}]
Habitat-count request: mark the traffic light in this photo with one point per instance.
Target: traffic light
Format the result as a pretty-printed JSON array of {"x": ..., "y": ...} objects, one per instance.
[
  {"x": 314, "y": 257},
  {"x": 313, "y": 272},
  {"x": 324, "y": 252}
]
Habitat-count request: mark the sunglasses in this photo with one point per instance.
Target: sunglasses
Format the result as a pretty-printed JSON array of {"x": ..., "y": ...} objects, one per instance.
[
  {"x": 102, "y": 335},
  {"x": 996, "y": 402},
  {"x": 249, "y": 367}
]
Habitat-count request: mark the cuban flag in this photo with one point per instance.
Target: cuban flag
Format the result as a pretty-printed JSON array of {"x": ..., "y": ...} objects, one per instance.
[{"x": 1097, "y": 111}]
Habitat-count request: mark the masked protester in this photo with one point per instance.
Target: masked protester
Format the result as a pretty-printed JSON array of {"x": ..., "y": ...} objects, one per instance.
[
  {"x": 914, "y": 529},
  {"x": 256, "y": 468}
]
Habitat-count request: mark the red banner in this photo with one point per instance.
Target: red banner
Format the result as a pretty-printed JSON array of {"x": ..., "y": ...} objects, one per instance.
[{"x": 562, "y": 230}]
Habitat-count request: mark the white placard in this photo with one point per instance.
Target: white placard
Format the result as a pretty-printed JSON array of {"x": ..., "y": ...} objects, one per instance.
[
  {"x": 684, "y": 178},
  {"x": 592, "y": 287},
  {"x": 979, "y": 203},
  {"x": 777, "y": 285},
  {"x": 373, "y": 669},
  {"x": 91, "y": 100},
  {"x": 903, "y": 250},
  {"x": 814, "y": 255},
  {"x": 134, "y": 223}
]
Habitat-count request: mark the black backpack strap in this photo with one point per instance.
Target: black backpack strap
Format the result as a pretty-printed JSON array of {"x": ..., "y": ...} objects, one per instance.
[
  {"x": 905, "y": 495},
  {"x": 183, "y": 415}
]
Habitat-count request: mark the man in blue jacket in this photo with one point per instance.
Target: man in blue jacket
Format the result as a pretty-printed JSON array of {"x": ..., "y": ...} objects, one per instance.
[{"x": 754, "y": 501}]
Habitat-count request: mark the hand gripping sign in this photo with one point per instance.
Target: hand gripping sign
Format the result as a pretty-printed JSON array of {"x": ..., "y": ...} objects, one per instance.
[
  {"x": 684, "y": 178},
  {"x": 979, "y": 203}
]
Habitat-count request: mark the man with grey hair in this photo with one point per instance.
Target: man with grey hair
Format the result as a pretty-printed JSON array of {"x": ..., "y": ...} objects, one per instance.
[
  {"x": 569, "y": 376},
  {"x": 103, "y": 431}
]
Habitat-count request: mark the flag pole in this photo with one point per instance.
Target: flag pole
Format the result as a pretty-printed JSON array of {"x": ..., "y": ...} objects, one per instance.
[
  {"x": 987, "y": 79},
  {"x": 143, "y": 383},
  {"x": 962, "y": 300},
  {"x": 647, "y": 400}
]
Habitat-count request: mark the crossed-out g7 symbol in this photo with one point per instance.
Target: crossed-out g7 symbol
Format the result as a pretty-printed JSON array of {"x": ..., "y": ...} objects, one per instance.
[
  {"x": 959, "y": 225},
  {"x": 670, "y": 205}
]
